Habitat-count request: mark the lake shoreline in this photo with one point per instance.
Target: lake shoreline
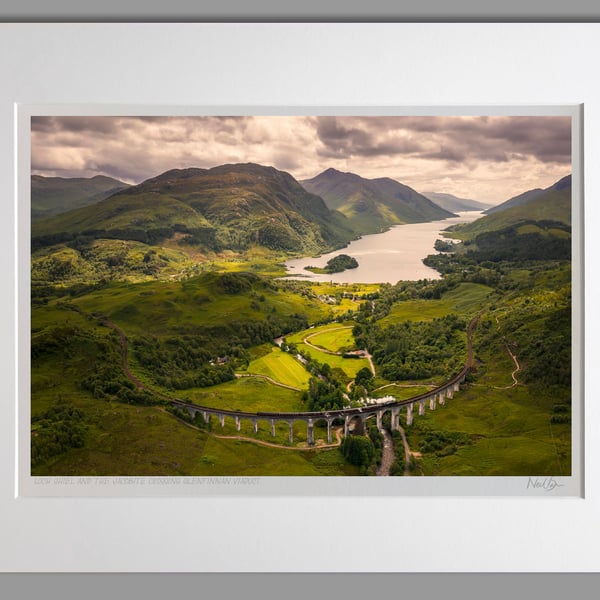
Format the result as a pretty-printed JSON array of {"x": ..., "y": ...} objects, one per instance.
[{"x": 388, "y": 257}]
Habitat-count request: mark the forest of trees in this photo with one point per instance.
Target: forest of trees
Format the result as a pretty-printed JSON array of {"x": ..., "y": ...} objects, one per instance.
[
  {"x": 415, "y": 350},
  {"x": 57, "y": 430}
]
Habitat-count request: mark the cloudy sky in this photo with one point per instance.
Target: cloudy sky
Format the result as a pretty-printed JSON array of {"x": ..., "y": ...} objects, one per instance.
[{"x": 485, "y": 158}]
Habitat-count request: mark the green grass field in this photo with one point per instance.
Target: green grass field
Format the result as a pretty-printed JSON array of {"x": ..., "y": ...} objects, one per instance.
[
  {"x": 511, "y": 433},
  {"x": 146, "y": 441},
  {"x": 334, "y": 338},
  {"x": 281, "y": 367},
  {"x": 162, "y": 307},
  {"x": 510, "y": 428},
  {"x": 232, "y": 457},
  {"x": 247, "y": 394},
  {"x": 467, "y": 299}
]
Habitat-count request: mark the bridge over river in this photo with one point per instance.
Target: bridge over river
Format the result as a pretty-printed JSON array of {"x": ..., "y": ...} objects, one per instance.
[{"x": 416, "y": 404}]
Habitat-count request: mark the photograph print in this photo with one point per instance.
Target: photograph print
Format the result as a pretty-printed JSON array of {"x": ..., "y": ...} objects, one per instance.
[{"x": 346, "y": 296}]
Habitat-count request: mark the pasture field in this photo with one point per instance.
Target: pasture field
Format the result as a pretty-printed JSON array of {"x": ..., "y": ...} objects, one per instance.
[
  {"x": 349, "y": 366},
  {"x": 466, "y": 299},
  {"x": 281, "y": 367},
  {"x": 334, "y": 336},
  {"x": 248, "y": 394},
  {"x": 331, "y": 289},
  {"x": 238, "y": 457},
  {"x": 254, "y": 260},
  {"x": 335, "y": 339}
]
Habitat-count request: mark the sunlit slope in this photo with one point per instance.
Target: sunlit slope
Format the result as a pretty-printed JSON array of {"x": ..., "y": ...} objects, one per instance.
[
  {"x": 553, "y": 204},
  {"x": 211, "y": 302},
  {"x": 373, "y": 204},
  {"x": 227, "y": 207}
]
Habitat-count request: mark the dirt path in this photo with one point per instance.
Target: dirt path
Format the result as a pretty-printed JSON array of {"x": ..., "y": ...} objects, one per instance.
[
  {"x": 124, "y": 364},
  {"x": 514, "y": 359},
  {"x": 269, "y": 379},
  {"x": 518, "y": 368},
  {"x": 370, "y": 359}
]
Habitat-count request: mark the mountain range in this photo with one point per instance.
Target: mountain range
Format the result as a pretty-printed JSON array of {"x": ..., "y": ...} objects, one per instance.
[
  {"x": 454, "y": 203},
  {"x": 237, "y": 206},
  {"x": 373, "y": 205},
  {"x": 55, "y": 195},
  {"x": 226, "y": 207}
]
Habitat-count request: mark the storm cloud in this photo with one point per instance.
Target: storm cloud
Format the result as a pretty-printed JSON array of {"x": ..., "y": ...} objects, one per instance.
[{"x": 488, "y": 158}]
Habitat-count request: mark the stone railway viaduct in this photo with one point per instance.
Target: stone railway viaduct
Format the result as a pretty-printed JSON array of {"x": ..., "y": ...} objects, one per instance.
[{"x": 419, "y": 403}]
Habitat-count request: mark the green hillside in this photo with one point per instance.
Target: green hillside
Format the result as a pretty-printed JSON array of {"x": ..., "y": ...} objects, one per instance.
[
  {"x": 554, "y": 204},
  {"x": 528, "y": 196},
  {"x": 372, "y": 205},
  {"x": 55, "y": 195},
  {"x": 228, "y": 207}
]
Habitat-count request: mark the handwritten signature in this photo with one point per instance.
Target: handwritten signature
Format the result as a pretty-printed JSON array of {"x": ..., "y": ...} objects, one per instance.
[{"x": 548, "y": 484}]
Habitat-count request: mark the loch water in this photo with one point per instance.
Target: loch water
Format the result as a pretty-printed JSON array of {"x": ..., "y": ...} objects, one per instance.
[{"x": 388, "y": 257}]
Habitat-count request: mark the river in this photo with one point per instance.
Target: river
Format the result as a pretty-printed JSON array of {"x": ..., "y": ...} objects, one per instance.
[{"x": 387, "y": 257}]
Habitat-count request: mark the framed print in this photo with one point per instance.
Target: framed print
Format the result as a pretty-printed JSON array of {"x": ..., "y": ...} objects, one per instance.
[
  {"x": 237, "y": 300},
  {"x": 256, "y": 331}
]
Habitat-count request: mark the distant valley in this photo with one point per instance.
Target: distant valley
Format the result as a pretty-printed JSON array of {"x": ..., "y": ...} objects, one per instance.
[
  {"x": 373, "y": 205},
  {"x": 453, "y": 203}
]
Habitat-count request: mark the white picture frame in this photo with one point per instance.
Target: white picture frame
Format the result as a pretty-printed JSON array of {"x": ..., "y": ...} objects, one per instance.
[{"x": 520, "y": 525}]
